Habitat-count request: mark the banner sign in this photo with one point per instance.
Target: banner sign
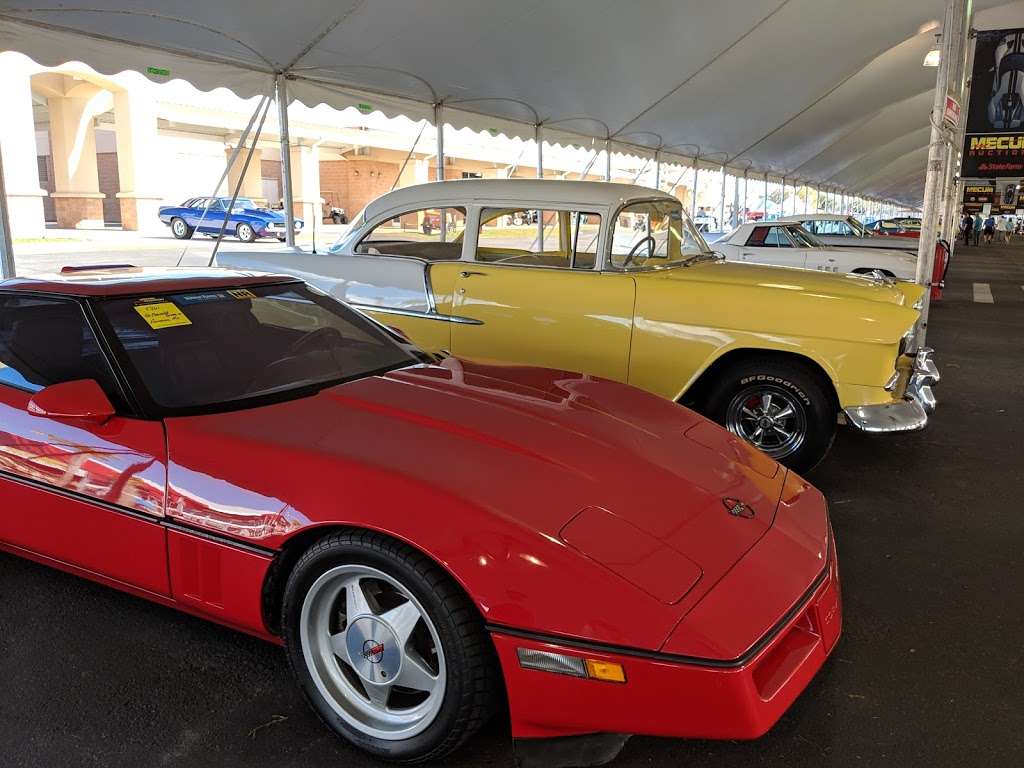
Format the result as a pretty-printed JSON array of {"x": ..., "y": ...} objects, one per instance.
[
  {"x": 976, "y": 195},
  {"x": 994, "y": 138},
  {"x": 1008, "y": 200},
  {"x": 951, "y": 115}
]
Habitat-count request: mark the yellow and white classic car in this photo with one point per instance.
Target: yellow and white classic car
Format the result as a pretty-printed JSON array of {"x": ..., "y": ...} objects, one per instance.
[{"x": 614, "y": 280}]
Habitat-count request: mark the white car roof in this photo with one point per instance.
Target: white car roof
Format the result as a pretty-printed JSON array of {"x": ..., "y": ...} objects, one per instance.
[
  {"x": 812, "y": 217},
  {"x": 597, "y": 193}
]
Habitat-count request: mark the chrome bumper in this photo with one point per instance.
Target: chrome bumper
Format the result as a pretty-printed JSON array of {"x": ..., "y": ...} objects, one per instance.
[{"x": 909, "y": 414}]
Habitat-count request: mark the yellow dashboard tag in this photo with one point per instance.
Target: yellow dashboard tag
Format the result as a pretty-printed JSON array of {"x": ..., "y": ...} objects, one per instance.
[{"x": 162, "y": 314}]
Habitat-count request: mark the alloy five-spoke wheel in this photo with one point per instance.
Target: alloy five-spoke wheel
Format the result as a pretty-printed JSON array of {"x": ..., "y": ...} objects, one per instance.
[
  {"x": 373, "y": 652},
  {"x": 769, "y": 418},
  {"x": 390, "y": 651}
]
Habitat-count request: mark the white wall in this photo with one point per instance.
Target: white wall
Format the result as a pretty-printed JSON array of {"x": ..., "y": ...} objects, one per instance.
[{"x": 191, "y": 166}]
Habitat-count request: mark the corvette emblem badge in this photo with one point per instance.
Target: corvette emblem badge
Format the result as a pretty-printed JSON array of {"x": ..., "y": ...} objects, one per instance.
[
  {"x": 373, "y": 651},
  {"x": 737, "y": 508}
]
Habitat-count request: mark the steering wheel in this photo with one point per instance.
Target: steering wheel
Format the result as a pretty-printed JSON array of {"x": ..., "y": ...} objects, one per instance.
[
  {"x": 324, "y": 338},
  {"x": 632, "y": 251}
]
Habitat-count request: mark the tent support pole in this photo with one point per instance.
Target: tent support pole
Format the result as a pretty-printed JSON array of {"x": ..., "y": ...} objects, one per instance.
[
  {"x": 288, "y": 190},
  {"x": 954, "y": 38},
  {"x": 764, "y": 215},
  {"x": 6, "y": 246},
  {"x": 721, "y": 204},
  {"x": 693, "y": 199},
  {"x": 540, "y": 175},
  {"x": 608, "y": 160},
  {"x": 657, "y": 169},
  {"x": 742, "y": 218},
  {"x": 439, "y": 125}
]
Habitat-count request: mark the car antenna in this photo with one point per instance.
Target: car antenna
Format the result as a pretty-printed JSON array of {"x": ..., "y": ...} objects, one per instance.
[{"x": 314, "y": 228}]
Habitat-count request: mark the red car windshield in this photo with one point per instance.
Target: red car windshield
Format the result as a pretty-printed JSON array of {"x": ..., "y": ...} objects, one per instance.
[{"x": 235, "y": 347}]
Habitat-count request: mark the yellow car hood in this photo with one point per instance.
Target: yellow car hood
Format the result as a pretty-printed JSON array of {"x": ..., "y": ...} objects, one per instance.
[{"x": 803, "y": 281}]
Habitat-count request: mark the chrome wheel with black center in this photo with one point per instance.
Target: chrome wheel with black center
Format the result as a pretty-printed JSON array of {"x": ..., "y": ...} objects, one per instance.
[
  {"x": 373, "y": 652},
  {"x": 769, "y": 418},
  {"x": 246, "y": 233},
  {"x": 780, "y": 404}
]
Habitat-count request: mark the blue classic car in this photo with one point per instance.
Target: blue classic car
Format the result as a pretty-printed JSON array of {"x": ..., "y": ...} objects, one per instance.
[{"x": 246, "y": 220}]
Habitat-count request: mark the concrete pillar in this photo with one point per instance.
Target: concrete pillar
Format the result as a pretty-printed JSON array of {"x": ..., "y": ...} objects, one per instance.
[
  {"x": 138, "y": 160},
  {"x": 18, "y": 144},
  {"x": 252, "y": 184},
  {"x": 305, "y": 161},
  {"x": 77, "y": 199}
]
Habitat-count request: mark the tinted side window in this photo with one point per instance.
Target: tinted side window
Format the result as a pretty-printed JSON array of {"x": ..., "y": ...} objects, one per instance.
[
  {"x": 418, "y": 234},
  {"x": 46, "y": 341}
]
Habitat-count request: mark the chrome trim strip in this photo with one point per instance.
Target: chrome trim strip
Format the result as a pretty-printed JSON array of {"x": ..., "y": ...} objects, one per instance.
[{"x": 414, "y": 313}]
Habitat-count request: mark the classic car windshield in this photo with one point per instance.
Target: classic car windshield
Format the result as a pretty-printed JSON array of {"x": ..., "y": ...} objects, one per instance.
[
  {"x": 241, "y": 202},
  {"x": 859, "y": 228},
  {"x": 804, "y": 238},
  {"x": 654, "y": 234},
  {"x": 227, "y": 347}
]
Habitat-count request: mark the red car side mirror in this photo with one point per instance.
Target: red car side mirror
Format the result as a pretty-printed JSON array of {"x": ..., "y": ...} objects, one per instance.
[{"x": 82, "y": 400}]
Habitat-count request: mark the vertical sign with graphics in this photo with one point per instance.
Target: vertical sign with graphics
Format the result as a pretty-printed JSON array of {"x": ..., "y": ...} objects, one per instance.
[{"x": 994, "y": 137}]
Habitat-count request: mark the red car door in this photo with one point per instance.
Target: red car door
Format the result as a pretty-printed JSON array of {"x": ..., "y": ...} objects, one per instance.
[{"x": 74, "y": 492}]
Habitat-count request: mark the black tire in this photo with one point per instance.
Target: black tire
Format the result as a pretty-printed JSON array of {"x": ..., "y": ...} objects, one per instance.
[
  {"x": 282, "y": 239},
  {"x": 792, "y": 383},
  {"x": 471, "y": 678},
  {"x": 245, "y": 233},
  {"x": 180, "y": 229}
]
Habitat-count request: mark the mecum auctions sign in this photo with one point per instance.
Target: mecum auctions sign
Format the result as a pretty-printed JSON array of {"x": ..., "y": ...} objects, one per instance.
[{"x": 994, "y": 135}]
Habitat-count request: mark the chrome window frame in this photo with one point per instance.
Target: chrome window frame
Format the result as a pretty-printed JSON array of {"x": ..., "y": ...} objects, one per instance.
[{"x": 606, "y": 256}]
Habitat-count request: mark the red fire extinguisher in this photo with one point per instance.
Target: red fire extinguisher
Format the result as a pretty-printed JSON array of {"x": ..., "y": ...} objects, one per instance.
[{"x": 942, "y": 254}]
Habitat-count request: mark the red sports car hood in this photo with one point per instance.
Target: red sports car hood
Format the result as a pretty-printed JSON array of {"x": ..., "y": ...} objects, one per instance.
[
  {"x": 564, "y": 474},
  {"x": 540, "y": 446}
]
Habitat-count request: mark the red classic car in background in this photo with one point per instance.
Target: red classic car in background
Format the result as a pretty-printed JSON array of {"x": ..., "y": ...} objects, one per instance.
[{"x": 415, "y": 531}]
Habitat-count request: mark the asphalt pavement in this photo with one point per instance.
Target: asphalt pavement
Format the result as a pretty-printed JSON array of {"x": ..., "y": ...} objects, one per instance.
[{"x": 929, "y": 672}]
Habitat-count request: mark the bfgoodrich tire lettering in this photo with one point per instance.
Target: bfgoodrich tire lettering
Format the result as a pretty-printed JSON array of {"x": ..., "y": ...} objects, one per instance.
[
  {"x": 468, "y": 662},
  {"x": 780, "y": 405}
]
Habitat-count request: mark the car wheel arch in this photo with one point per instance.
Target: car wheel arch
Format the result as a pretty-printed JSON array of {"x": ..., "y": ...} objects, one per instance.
[
  {"x": 292, "y": 549},
  {"x": 701, "y": 386}
]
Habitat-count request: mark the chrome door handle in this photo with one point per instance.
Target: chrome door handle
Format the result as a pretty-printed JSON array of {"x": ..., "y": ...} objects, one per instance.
[{"x": 468, "y": 273}]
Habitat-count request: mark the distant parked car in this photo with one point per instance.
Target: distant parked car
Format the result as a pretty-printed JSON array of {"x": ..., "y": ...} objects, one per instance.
[
  {"x": 788, "y": 244},
  {"x": 844, "y": 231},
  {"x": 893, "y": 228},
  {"x": 246, "y": 221}
]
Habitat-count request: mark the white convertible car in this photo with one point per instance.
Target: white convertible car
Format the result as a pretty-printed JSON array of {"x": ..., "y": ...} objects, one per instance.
[
  {"x": 787, "y": 244},
  {"x": 846, "y": 232}
]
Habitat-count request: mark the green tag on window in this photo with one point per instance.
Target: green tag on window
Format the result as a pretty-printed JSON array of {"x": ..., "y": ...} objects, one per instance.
[
  {"x": 159, "y": 71},
  {"x": 365, "y": 108}
]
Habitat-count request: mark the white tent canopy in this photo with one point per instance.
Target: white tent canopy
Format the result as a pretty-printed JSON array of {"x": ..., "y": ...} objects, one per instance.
[{"x": 827, "y": 92}]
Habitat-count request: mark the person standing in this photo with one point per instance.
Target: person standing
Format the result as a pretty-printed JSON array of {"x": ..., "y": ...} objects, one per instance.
[
  {"x": 978, "y": 224},
  {"x": 966, "y": 228},
  {"x": 990, "y": 229}
]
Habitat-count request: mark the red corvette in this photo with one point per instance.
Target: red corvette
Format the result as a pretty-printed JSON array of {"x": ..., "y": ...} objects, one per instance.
[{"x": 424, "y": 536}]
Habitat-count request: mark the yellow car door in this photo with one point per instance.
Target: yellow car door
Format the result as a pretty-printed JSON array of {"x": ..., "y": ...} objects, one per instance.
[{"x": 542, "y": 303}]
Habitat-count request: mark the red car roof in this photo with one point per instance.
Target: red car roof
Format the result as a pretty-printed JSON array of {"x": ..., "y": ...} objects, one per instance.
[{"x": 124, "y": 280}]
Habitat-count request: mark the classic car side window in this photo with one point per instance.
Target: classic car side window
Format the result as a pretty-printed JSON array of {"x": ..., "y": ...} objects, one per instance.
[
  {"x": 46, "y": 341},
  {"x": 418, "y": 234},
  {"x": 538, "y": 238},
  {"x": 768, "y": 237}
]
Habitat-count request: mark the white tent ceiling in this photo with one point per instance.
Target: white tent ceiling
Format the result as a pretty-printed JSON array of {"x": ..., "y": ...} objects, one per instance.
[{"x": 823, "y": 91}]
